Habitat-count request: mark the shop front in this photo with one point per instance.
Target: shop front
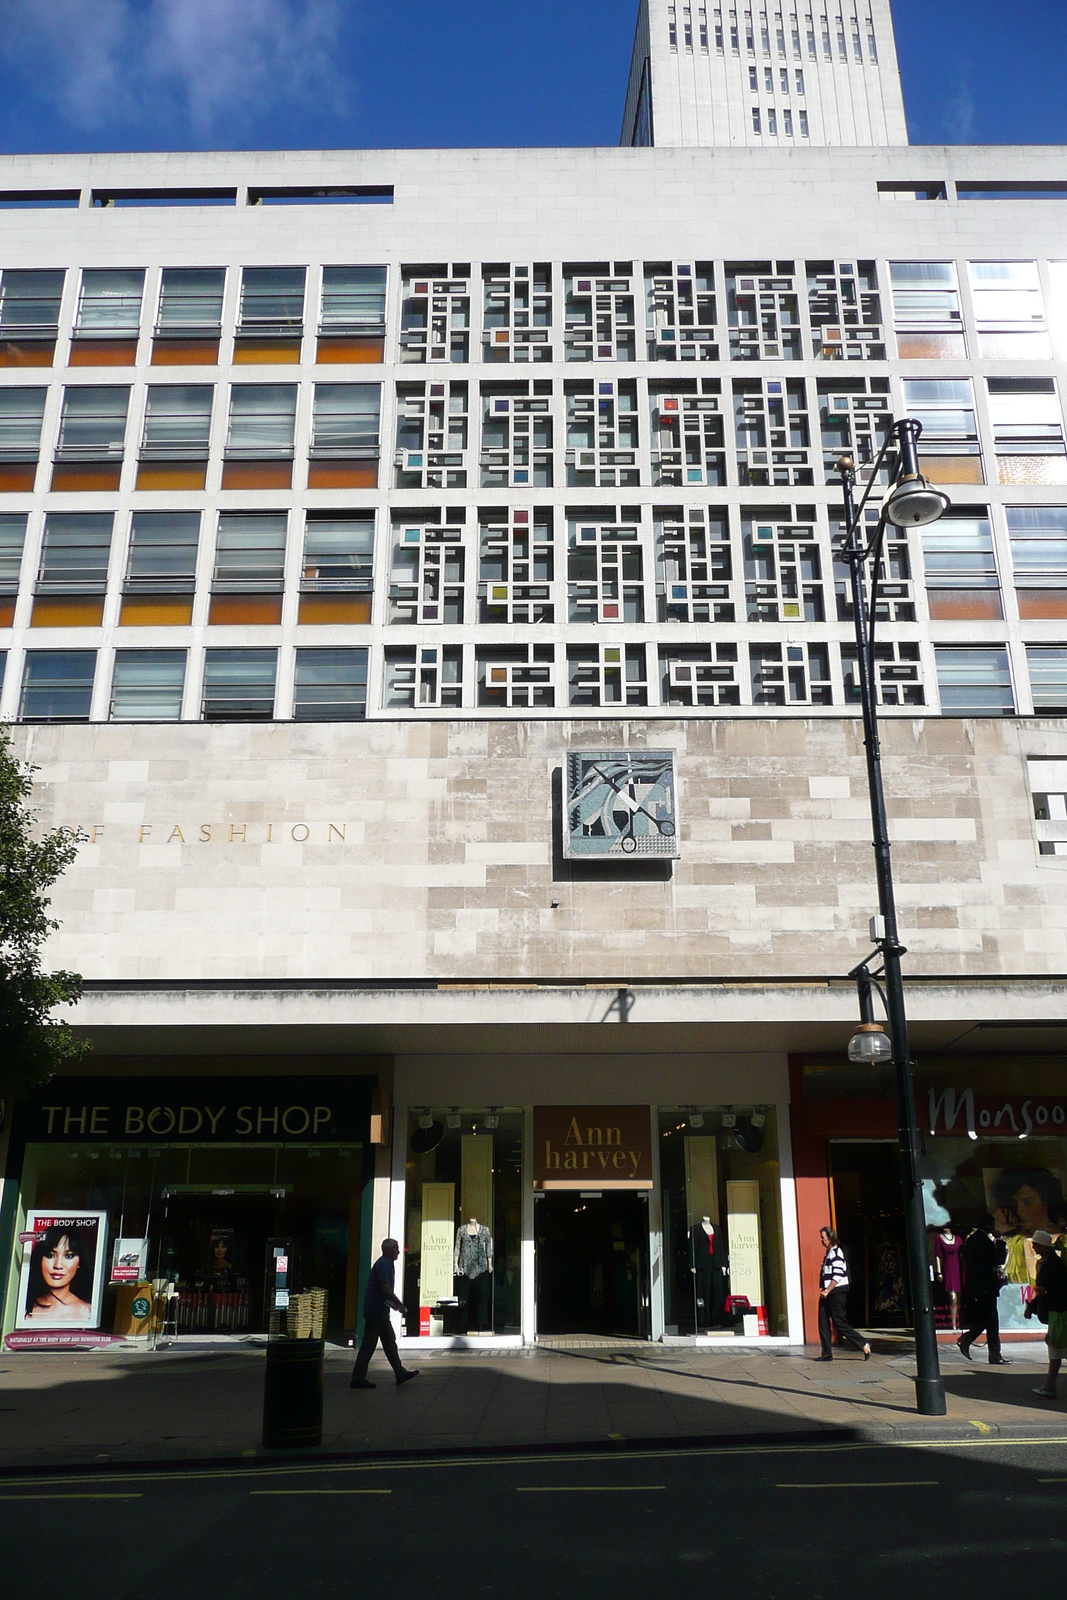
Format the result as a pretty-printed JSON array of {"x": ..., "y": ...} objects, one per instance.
[
  {"x": 614, "y": 1218},
  {"x": 211, "y": 1206}
]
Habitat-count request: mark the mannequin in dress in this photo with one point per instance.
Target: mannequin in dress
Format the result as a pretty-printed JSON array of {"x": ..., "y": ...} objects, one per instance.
[
  {"x": 707, "y": 1258},
  {"x": 473, "y": 1266},
  {"x": 949, "y": 1268}
]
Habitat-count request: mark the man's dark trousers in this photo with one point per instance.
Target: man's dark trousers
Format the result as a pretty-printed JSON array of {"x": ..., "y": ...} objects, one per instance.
[
  {"x": 375, "y": 1328},
  {"x": 981, "y": 1317}
]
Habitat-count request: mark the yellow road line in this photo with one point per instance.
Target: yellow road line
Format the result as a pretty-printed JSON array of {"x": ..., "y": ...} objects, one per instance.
[
  {"x": 896, "y": 1483},
  {"x": 320, "y": 1491},
  {"x": 590, "y": 1488},
  {"x": 71, "y": 1495}
]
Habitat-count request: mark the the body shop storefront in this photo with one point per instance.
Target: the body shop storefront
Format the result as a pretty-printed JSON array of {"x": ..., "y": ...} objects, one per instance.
[{"x": 231, "y": 1199}]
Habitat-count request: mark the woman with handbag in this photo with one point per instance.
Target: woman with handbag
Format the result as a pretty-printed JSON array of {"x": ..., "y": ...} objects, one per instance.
[
  {"x": 1050, "y": 1306},
  {"x": 833, "y": 1295}
]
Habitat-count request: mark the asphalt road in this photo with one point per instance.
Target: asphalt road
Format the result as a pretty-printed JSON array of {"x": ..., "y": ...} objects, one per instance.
[{"x": 976, "y": 1520}]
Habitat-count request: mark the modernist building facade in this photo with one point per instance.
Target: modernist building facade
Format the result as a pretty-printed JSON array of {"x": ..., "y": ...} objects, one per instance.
[{"x": 419, "y": 587}]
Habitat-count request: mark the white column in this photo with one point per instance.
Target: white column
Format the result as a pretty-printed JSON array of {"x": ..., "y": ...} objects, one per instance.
[
  {"x": 655, "y": 1232},
  {"x": 528, "y": 1247},
  {"x": 790, "y": 1235}
]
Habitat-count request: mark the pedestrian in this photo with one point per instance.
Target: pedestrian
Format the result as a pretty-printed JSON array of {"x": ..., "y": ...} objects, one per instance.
[
  {"x": 1050, "y": 1304},
  {"x": 983, "y": 1255},
  {"x": 379, "y": 1297},
  {"x": 833, "y": 1296}
]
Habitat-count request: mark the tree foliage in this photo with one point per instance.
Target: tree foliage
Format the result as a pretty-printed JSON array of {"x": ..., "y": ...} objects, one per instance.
[{"x": 33, "y": 1043}]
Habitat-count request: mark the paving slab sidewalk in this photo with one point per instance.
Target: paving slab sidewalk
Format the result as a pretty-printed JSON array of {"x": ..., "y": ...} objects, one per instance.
[{"x": 173, "y": 1406}]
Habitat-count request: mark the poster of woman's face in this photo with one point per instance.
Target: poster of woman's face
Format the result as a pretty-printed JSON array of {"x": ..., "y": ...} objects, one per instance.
[
  {"x": 63, "y": 1270},
  {"x": 1022, "y": 1199}
]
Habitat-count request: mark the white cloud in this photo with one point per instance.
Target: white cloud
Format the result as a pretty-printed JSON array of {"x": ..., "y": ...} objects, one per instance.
[
  {"x": 959, "y": 115},
  {"x": 202, "y": 67}
]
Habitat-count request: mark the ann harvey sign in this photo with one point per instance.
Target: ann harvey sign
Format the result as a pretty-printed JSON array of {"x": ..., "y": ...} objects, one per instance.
[
  {"x": 592, "y": 1147},
  {"x": 202, "y": 1111}
]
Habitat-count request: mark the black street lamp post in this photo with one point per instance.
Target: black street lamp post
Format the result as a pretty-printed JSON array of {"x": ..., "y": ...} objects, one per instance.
[{"x": 910, "y": 502}]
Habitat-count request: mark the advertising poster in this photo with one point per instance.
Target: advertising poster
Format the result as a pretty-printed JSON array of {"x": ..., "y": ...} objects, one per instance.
[
  {"x": 63, "y": 1271},
  {"x": 129, "y": 1261}
]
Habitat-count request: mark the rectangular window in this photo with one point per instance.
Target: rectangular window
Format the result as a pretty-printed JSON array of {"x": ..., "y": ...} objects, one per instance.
[
  {"x": 1009, "y": 311},
  {"x": 1027, "y": 430},
  {"x": 29, "y": 316},
  {"x": 772, "y": 123},
  {"x": 189, "y": 321},
  {"x": 160, "y": 569},
  {"x": 109, "y": 318},
  {"x": 803, "y": 124},
  {"x": 1039, "y": 555},
  {"x": 1047, "y": 665},
  {"x": 608, "y": 675},
  {"x": 423, "y": 679},
  {"x": 787, "y": 121},
  {"x": 57, "y": 685},
  {"x": 949, "y": 451},
  {"x": 259, "y": 446},
  {"x": 21, "y": 415},
  {"x": 12, "y": 540},
  {"x": 753, "y": 79},
  {"x": 926, "y": 310},
  {"x": 768, "y": 79},
  {"x": 239, "y": 685},
  {"x": 177, "y": 428},
  {"x": 271, "y": 320},
  {"x": 344, "y": 436},
  {"x": 961, "y": 570},
  {"x": 800, "y": 80},
  {"x": 92, "y": 432},
  {"x": 337, "y": 576},
  {"x": 755, "y": 119},
  {"x": 783, "y": 75},
  {"x": 147, "y": 685},
  {"x": 249, "y": 571},
  {"x": 330, "y": 686},
  {"x": 974, "y": 682},
  {"x": 801, "y": 679},
  {"x": 72, "y": 575},
  {"x": 352, "y": 315}
]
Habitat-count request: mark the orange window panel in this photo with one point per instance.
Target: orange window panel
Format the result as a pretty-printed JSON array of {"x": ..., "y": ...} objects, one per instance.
[
  {"x": 103, "y": 353},
  {"x": 185, "y": 352},
  {"x": 89, "y": 476},
  {"x": 1035, "y": 604},
  {"x": 931, "y": 346},
  {"x": 171, "y": 474},
  {"x": 156, "y": 611},
  {"x": 952, "y": 469},
  {"x": 964, "y": 605},
  {"x": 257, "y": 475},
  {"x": 342, "y": 475},
  {"x": 34, "y": 354},
  {"x": 350, "y": 352},
  {"x": 261, "y": 609},
  {"x": 17, "y": 477},
  {"x": 325, "y": 608},
  {"x": 67, "y": 611},
  {"x": 266, "y": 352},
  {"x": 7, "y": 611}
]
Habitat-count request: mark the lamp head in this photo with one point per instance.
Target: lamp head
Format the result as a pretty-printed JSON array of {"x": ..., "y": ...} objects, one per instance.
[
  {"x": 914, "y": 503},
  {"x": 870, "y": 1043}
]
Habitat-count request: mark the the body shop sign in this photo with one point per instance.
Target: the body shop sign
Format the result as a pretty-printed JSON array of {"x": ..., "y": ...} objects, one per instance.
[{"x": 592, "y": 1147}]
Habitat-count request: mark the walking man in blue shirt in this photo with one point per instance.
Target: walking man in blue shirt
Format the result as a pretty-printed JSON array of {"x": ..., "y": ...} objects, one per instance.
[{"x": 376, "y": 1324}]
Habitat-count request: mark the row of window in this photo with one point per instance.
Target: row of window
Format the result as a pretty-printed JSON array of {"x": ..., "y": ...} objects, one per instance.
[
  {"x": 784, "y": 569},
  {"x": 817, "y": 26},
  {"x": 330, "y": 685},
  {"x": 611, "y": 310},
  {"x": 770, "y": 116},
  {"x": 686, "y": 428}
]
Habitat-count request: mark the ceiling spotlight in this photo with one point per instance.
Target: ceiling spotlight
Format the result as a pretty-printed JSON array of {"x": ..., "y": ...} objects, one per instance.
[
  {"x": 492, "y": 1121},
  {"x": 425, "y": 1119},
  {"x": 758, "y": 1118},
  {"x": 729, "y": 1119},
  {"x": 696, "y": 1119},
  {"x": 454, "y": 1120}
]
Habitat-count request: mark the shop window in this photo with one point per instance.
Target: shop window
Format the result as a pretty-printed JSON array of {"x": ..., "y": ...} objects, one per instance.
[
  {"x": 259, "y": 446},
  {"x": 607, "y": 675},
  {"x": 344, "y": 436},
  {"x": 352, "y": 315},
  {"x": 845, "y": 309},
  {"x": 513, "y": 676},
  {"x": 432, "y": 433},
  {"x": 926, "y": 310},
  {"x": 12, "y": 541},
  {"x": 427, "y": 569},
  {"x": 160, "y": 569},
  {"x": 177, "y": 428},
  {"x": 1008, "y": 311},
  {"x": 694, "y": 564},
  {"x": 270, "y": 324},
  {"x": 463, "y": 1230},
  {"x": 72, "y": 576},
  {"x": 974, "y": 681},
  {"x": 772, "y": 432},
  {"x": 239, "y": 685},
  {"x": 108, "y": 319},
  {"x": 516, "y": 565},
  {"x": 1039, "y": 556},
  {"x": 337, "y": 576},
  {"x": 21, "y": 415},
  {"x": 699, "y": 675},
  {"x": 1047, "y": 665},
  {"x": 249, "y": 571},
  {"x": 897, "y": 671},
  {"x": 29, "y": 316},
  {"x": 949, "y": 451},
  {"x": 57, "y": 685},
  {"x": 605, "y": 566},
  {"x": 680, "y": 312},
  {"x": 961, "y": 569},
  {"x": 599, "y": 306},
  {"x": 189, "y": 321},
  {"x": 92, "y": 433},
  {"x": 517, "y": 436},
  {"x": 517, "y": 311},
  {"x": 435, "y": 313},
  {"x": 330, "y": 685},
  {"x": 1027, "y": 430},
  {"x": 602, "y": 435},
  {"x": 147, "y": 685},
  {"x": 723, "y": 1258},
  {"x": 425, "y": 678},
  {"x": 688, "y": 434},
  {"x": 791, "y": 675},
  {"x": 783, "y": 565}
]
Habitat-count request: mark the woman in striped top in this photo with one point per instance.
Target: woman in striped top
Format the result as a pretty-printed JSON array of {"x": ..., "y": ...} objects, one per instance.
[{"x": 833, "y": 1294}]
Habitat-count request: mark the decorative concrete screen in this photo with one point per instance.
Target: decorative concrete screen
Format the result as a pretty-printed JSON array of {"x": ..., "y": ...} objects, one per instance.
[{"x": 620, "y": 803}]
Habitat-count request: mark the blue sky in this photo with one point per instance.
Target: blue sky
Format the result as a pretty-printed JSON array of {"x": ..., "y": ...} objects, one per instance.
[{"x": 262, "y": 74}]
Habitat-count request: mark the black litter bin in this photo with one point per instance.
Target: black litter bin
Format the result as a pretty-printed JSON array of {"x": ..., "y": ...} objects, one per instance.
[{"x": 292, "y": 1394}]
